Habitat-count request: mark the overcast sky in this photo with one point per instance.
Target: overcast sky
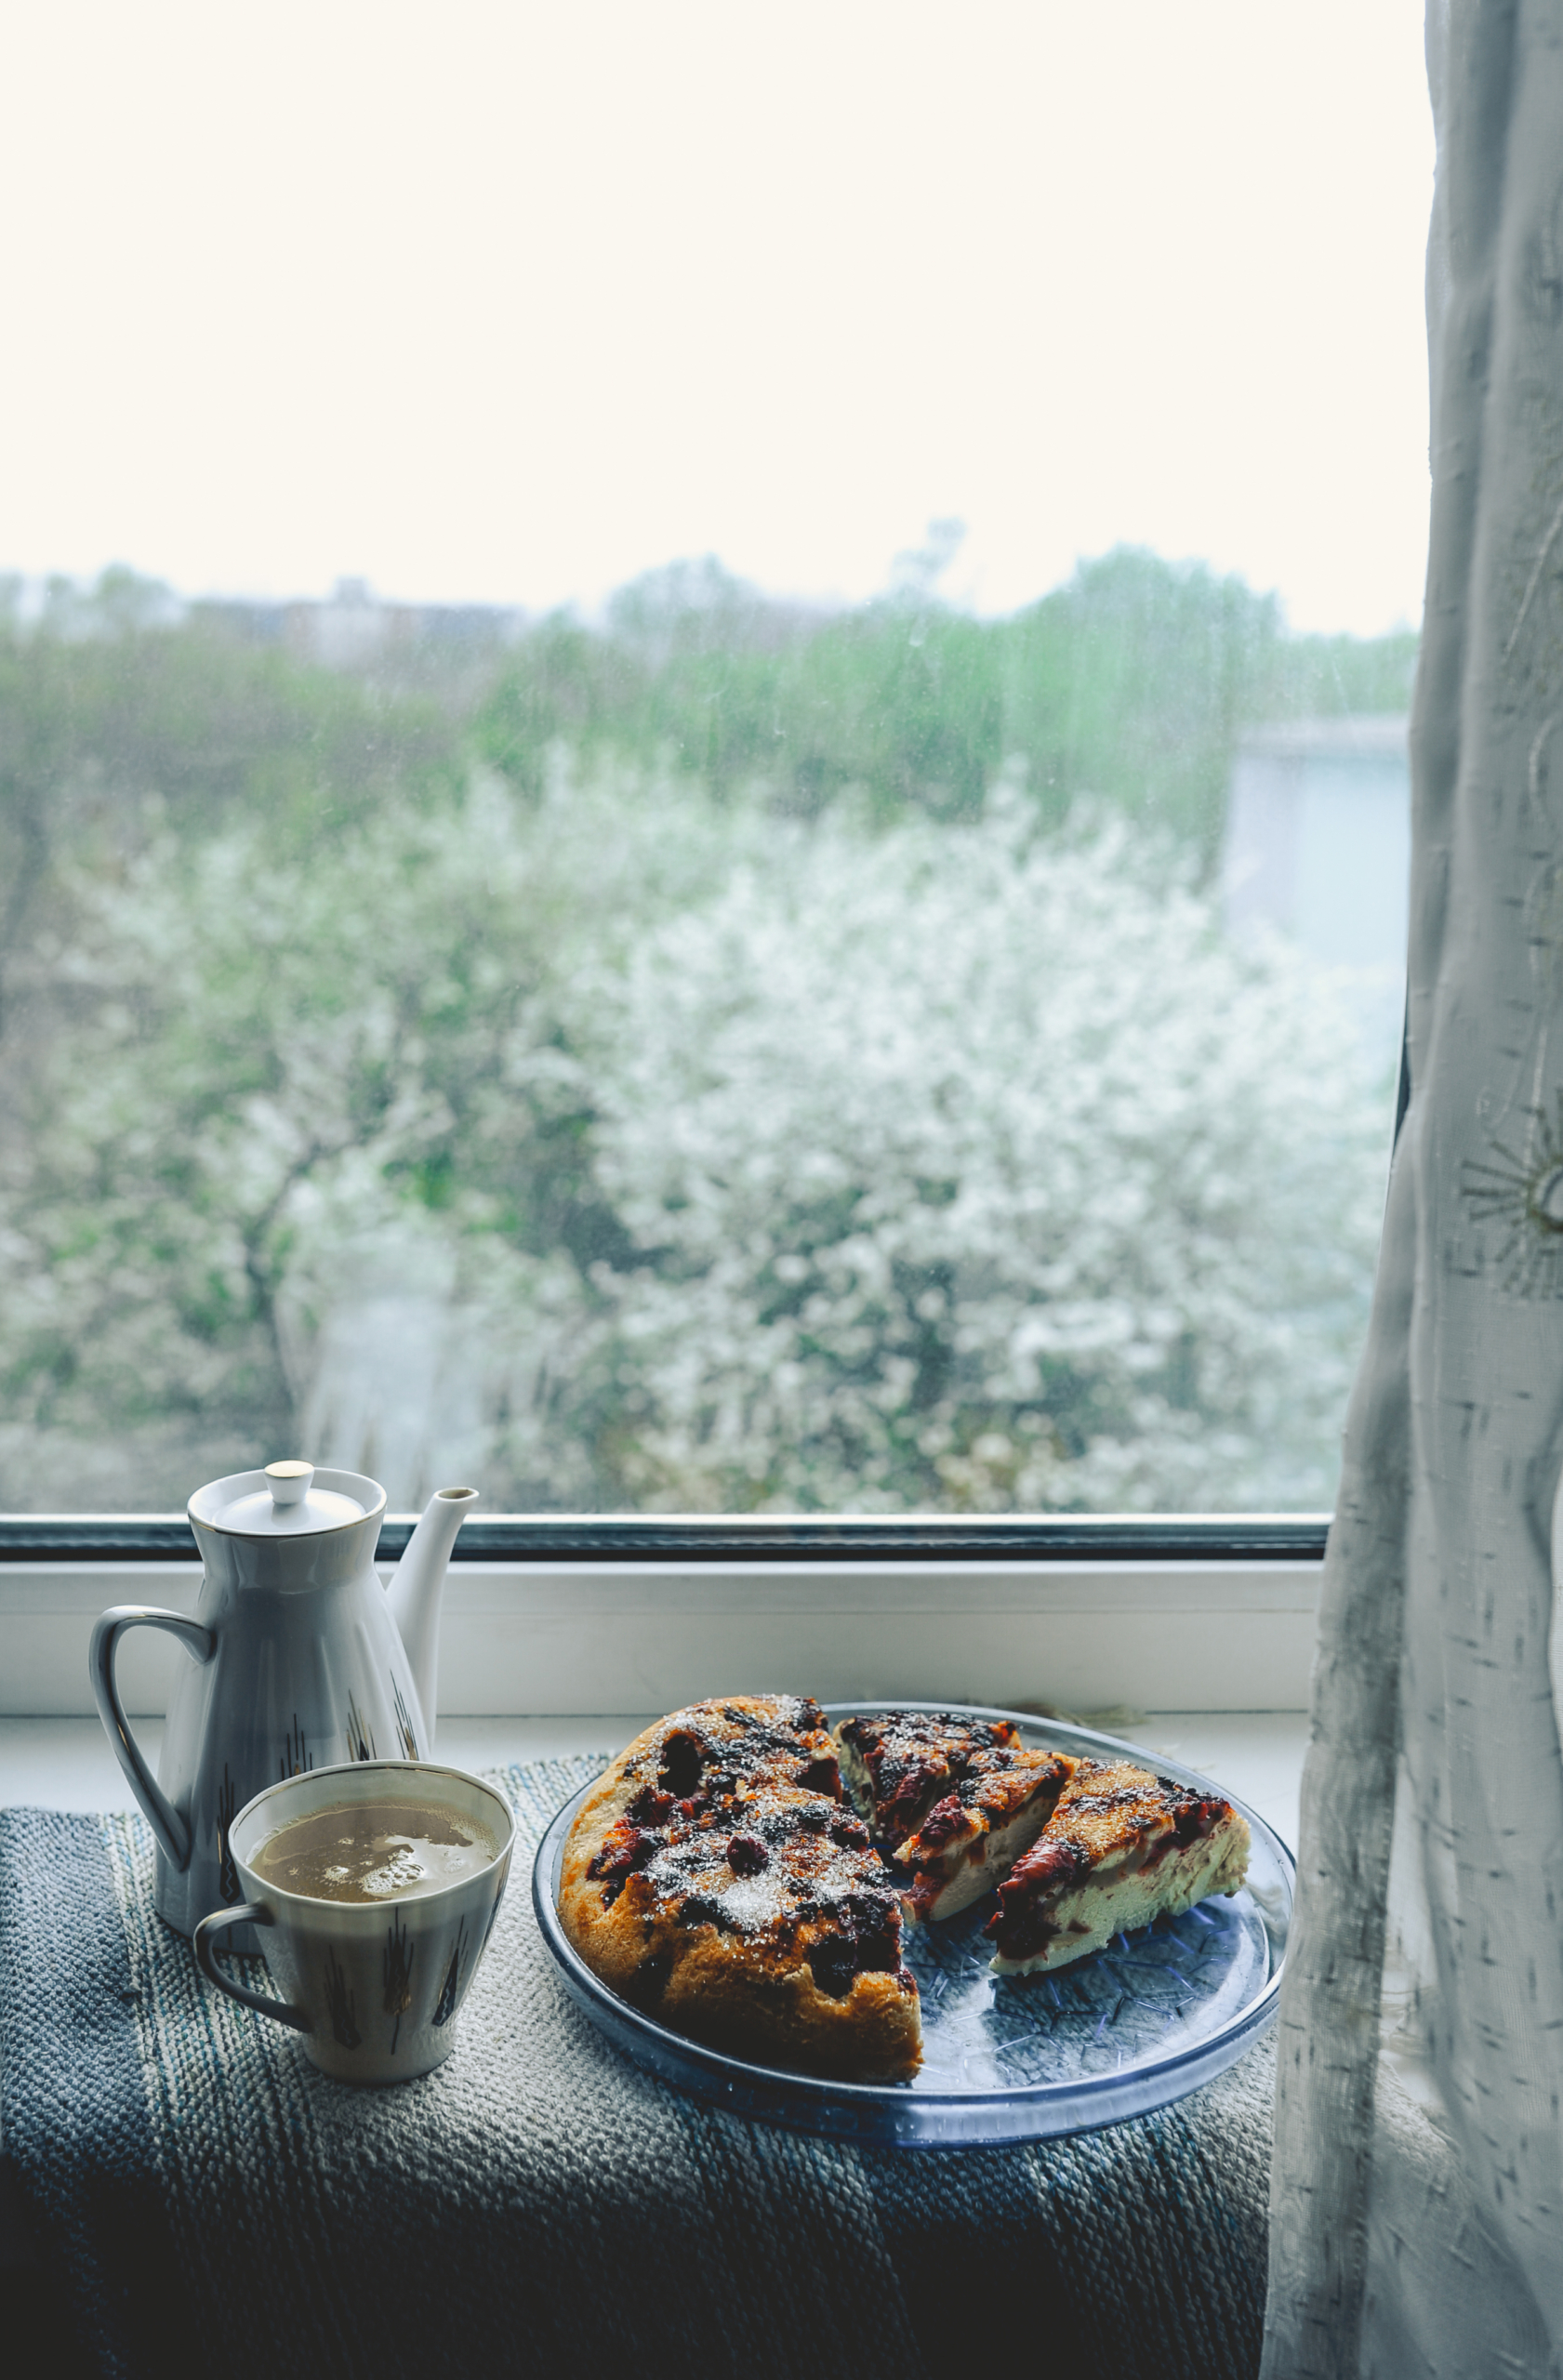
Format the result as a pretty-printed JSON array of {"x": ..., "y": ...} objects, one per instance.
[{"x": 505, "y": 302}]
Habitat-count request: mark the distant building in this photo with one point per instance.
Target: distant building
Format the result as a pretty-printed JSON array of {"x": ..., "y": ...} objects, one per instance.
[
  {"x": 1319, "y": 842},
  {"x": 354, "y": 630}
]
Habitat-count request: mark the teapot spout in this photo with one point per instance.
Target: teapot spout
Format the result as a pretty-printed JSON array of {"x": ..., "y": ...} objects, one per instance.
[{"x": 417, "y": 1586}]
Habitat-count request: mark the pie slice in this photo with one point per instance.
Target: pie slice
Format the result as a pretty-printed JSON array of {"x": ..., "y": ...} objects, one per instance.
[
  {"x": 955, "y": 1800},
  {"x": 1123, "y": 1847},
  {"x": 715, "y": 1879}
]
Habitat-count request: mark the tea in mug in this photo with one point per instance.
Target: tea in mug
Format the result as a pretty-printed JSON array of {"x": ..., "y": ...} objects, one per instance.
[{"x": 373, "y": 1851}]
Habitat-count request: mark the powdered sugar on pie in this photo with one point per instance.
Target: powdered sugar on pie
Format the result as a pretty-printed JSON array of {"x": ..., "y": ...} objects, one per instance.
[{"x": 715, "y": 1879}]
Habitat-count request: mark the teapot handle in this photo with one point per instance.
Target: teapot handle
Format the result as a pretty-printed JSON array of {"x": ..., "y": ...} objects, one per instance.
[{"x": 170, "y": 1828}]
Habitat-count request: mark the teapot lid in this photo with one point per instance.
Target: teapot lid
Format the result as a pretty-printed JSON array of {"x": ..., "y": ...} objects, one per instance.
[{"x": 286, "y": 1506}]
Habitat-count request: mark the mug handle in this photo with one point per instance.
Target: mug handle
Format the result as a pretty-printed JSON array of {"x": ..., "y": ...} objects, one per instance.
[
  {"x": 169, "y": 1826},
  {"x": 250, "y": 1913}
]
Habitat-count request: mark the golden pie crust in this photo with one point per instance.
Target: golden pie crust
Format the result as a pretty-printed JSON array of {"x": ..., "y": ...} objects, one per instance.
[
  {"x": 954, "y": 1799},
  {"x": 1123, "y": 1847},
  {"x": 715, "y": 1878}
]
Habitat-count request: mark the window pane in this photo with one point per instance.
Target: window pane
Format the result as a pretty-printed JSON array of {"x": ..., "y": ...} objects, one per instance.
[{"x": 821, "y": 926}]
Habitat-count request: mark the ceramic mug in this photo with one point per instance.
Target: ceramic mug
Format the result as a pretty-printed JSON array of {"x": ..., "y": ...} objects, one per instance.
[{"x": 372, "y": 1988}]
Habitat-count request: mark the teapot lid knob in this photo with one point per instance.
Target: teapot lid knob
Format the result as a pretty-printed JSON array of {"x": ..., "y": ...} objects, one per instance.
[{"x": 289, "y": 1482}]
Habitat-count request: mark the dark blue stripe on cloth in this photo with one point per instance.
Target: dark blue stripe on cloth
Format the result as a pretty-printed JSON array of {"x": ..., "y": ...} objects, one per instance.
[{"x": 98, "y": 2286}]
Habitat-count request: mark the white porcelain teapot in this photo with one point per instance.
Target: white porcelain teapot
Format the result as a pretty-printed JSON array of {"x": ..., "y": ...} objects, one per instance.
[{"x": 301, "y": 1660}]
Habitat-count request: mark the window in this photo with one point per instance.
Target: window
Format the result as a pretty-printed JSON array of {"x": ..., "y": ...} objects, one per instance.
[{"x": 816, "y": 928}]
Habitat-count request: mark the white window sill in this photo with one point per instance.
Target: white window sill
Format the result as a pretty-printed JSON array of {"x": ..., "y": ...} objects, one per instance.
[
  {"x": 624, "y": 1636},
  {"x": 1218, "y": 1650},
  {"x": 65, "y": 1764}
]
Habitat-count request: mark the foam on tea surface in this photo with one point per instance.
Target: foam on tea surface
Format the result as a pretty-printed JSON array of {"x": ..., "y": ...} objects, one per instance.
[{"x": 374, "y": 1851}]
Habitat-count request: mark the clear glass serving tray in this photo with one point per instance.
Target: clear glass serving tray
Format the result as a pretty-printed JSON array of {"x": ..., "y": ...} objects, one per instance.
[{"x": 1005, "y": 2058}]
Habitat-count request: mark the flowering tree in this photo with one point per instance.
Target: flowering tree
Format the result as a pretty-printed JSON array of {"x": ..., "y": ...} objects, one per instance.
[
  {"x": 629, "y": 1149},
  {"x": 296, "y": 1085},
  {"x": 969, "y": 1168}
]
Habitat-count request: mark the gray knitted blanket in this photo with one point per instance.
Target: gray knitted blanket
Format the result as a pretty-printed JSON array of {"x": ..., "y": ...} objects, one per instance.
[{"x": 192, "y": 2194}]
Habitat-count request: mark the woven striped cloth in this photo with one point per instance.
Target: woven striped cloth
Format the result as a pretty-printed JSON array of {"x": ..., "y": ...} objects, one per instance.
[{"x": 188, "y": 2193}]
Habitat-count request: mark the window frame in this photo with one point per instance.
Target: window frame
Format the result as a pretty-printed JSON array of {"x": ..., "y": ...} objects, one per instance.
[
  {"x": 725, "y": 1539},
  {"x": 559, "y": 1615}
]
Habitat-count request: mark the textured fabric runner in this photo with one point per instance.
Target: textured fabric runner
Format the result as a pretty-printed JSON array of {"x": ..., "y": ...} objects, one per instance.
[{"x": 195, "y": 2193}]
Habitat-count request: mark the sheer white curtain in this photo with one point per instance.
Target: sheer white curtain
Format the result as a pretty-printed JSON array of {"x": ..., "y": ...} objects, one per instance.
[{"x": 1417, "y": 2215}]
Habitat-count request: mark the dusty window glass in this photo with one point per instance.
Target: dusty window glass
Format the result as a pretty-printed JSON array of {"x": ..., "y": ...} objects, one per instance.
[{"x": 818, "y": 923}]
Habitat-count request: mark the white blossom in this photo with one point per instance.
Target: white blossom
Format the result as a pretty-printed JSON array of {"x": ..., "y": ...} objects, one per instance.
[{"x": 625, "y": 1148}]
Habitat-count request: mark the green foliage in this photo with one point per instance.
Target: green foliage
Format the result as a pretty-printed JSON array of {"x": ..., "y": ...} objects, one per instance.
[
  {"x": 1133, "y": 683},
  {"x": 109, "y": 699},
  {"x": 118, "y": 721},
  {"x": 572, "y": 687},
  {"x": 1130, "y": 684},
  {"x": 692, "y": 671},
  {"x": 1336, "y": 677}
]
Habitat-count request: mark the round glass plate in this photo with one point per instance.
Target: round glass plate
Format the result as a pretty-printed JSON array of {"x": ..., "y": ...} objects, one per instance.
[{"x": 1005, "y": 2058}]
